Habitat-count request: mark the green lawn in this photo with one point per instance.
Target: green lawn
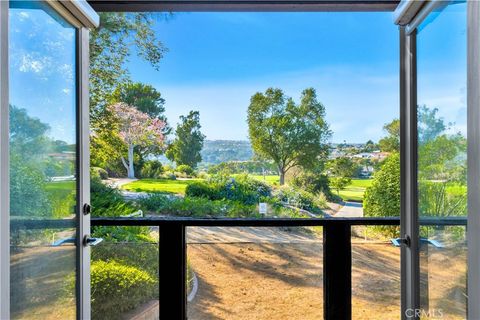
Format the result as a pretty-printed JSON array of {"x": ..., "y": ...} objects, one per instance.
[
  {"x": 159, "y": 185},
  {"x": 270, "y": 179},
  {"x": 355, "y": 190}
]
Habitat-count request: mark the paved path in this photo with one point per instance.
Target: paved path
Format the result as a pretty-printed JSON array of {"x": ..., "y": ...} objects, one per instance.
[
  {"x": 350, "y": 210},
  {"x": 118, "y": 182},
  {"x": 248, "y": 235}
]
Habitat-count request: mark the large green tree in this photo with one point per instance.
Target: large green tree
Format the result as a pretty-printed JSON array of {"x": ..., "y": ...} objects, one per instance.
[
  {"x": 185, "y": 148},
  {"x": 143, "y": 97},
  {"x": 288, "y": 133}
]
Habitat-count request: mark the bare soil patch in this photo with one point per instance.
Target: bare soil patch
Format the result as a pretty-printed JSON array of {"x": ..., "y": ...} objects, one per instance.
[{"x": 285, "y": 281}]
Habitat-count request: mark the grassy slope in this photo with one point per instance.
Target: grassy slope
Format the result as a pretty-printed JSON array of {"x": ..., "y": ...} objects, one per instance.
[
  {"x": 176, "y": 186},
  {"x": 355, "y": 190},
  {"x": 159, "y": 185}
]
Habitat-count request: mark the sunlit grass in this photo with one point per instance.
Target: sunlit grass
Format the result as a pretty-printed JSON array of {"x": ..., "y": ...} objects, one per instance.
[
  {"x": 355, "y": 190},
  {"x": 159, "y": 185}
]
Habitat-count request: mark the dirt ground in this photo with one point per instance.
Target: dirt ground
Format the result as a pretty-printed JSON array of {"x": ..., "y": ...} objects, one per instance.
[{"x": 284, "y": 281}]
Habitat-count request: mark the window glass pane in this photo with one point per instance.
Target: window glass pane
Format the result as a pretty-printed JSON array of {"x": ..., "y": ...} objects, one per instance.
[
  {"x": 43, "y": 184},
  {"x": 442, "y": 159},
  {"x": 254, "y": 273}
]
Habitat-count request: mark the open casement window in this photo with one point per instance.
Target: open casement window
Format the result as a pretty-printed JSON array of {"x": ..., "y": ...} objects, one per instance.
[
  {"x": 440, "y": 158},
  {"x": 44, "y": 152}
]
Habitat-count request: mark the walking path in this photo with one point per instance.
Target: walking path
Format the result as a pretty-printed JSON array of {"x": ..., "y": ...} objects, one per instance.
[
  {"x": 248, "y": 235},
  {"x": 350, "y": 210}
]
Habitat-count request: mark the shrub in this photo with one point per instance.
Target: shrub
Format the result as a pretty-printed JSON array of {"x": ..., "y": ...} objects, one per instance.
[
  {"x": 382, "y": 198},
  {"x": 241, "y": 188},
  {"x": 151, "y": 169},
  {"x": 107, "y": 201},
  {"x": 186, "y": 169},
  {"x": 202, "y": 190},
  {"x": 117, "y": 288},
  {"x": 141, "y": 255},
  {"x": 169, "y": 176},
  {"x": 27, "y": 190},
  {"x": 302, "y": 199},
  {"x": 196, "y": 206},
  {"x": 99, "y": 173}
]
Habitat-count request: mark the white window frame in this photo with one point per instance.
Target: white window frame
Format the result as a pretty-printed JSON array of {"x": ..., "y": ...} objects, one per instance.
[
  {"x": 4, "y": 168},
  {"x": 82, "y": 17},
  {"x": 409, "y": 15}
]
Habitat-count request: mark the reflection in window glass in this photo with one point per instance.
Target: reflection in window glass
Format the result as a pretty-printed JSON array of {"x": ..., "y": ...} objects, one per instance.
[
  {"x": 42, "y": 161},
  {"x": 442, "y": 158}
]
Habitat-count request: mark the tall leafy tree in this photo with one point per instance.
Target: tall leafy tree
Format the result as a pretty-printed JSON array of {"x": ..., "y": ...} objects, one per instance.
[
  {"x": 290, "y": 134},
  {"x": 142, "y": 96},
  {"x": 136, "y": 128},
  {"x": 148, "y": 100},
  {"x": 391, "y": 143},
  {"x": 111, "y": 44},
  {"x": 188, "y": 142}
]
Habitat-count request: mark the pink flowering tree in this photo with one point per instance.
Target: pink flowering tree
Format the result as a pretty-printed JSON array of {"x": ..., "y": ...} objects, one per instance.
[{"x": 136, "y": 128}]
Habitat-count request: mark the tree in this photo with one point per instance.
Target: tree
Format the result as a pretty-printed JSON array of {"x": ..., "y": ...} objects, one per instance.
[
  {"x": 146, "y": 99},
  {"x": 370, "y": 146},
  {"x": 289, "y": 134},
  {"x": 28, "y": 136},
  {"x": 341, "y": 171},
  {"x": 185, "y": 149},
  {"x": 142, "y": 96},
  {"x": 118, "y": 36},
  {"x": 136, "y": 128},
  {"x": 382, "y": 198},
  {"x": 429, "y": 126},
  {"x": 391, "y": 143}
]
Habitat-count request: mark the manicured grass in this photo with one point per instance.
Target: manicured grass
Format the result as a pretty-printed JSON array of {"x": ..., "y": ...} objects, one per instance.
[
  {"x": 356, "y": 189},
  {"x": 159, "y": 185},
  {"x": 270, "y": 179}
]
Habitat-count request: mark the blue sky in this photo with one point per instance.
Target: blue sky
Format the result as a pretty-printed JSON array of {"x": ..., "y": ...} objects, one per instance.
[{"x": 217, "y": 61}]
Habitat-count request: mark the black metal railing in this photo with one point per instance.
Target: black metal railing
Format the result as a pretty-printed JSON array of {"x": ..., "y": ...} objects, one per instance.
[
  {"x": 337, "y": 256},
  {"x": 337, "y": 253}
]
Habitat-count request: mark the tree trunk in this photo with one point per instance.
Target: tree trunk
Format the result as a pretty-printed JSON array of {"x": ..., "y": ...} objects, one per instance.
[
  {"x": 282, "y": 177},
  {"x": 131, "y": 170}
]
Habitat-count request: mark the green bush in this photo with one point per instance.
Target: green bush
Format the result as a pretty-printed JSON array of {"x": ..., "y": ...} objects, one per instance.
[
  {"x": 107, "y": 201},
  {"x": 141, "y": 255},
  {"x": 301, "y": 199},
  {"x": 241, "y": 188},
  {"x": 152, "y": 169},
  {"x": 201, "y": 190},
  {"x": 315, "y": 183},
  {"x": 27, "y": 190},
  {"x": 382, "y": 198},
  {"x": 196, "y": 207},
  {"x": 117, "y": 288},
  {"x": 186, "y": 169},
  {"x": 96, "y": 172}
]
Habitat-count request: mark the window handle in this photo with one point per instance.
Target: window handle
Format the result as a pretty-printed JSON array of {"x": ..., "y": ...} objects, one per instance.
[{"x": 88, "y": 241}]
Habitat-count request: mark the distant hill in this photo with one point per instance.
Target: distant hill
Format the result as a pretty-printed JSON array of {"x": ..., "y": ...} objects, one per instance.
[{"x": 217, "y": 151}]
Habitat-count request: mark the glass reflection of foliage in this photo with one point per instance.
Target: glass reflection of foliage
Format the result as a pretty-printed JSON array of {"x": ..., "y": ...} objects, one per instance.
[
  {"x": 34, "y": 164},
  {"x": 441, "y": 167}
]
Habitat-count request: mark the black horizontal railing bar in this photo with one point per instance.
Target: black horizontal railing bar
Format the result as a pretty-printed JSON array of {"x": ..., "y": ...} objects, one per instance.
[
  {"x": 241, "y": 222},
  {"x": 230, "y": 222},
  {"x": 271, "y": 222}
]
